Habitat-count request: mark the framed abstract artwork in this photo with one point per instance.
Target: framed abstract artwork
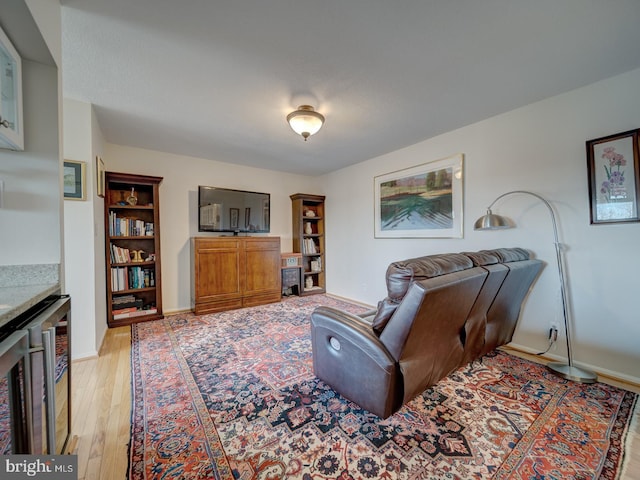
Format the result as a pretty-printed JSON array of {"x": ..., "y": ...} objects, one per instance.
[
  {"x": 614, "y": 178},
  {"x": 424, "y": 201}
]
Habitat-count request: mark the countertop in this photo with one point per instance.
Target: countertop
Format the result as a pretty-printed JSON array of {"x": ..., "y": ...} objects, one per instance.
[
  {"x": 23, "y": 286},
  {"x": 17, "y": 300}
]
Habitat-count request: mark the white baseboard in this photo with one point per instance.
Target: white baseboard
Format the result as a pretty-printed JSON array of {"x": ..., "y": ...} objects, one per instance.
[{"x": 599, "y": 370}]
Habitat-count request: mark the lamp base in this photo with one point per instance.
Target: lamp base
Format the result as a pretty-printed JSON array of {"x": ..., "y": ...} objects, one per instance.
[{"x": 572, "y": 373}]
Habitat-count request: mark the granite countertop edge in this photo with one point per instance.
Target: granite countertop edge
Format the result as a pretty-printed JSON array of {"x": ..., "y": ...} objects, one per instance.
[{"x": 16, "y": 300}]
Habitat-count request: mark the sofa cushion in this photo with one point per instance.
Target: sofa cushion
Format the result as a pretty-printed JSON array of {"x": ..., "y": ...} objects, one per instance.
[
  {"x": 483, "y": 258},
  {"x": 507, "y": 255}
]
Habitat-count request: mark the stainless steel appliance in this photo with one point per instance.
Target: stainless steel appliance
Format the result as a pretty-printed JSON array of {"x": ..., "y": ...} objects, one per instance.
[
  {"x": 47, "y": 402},
  {"x": 15, "y": 394},
  {"x": 49, "y": 347}
]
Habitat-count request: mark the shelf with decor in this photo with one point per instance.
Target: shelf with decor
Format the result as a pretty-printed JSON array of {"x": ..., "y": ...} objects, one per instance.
[
  {"x": 132, "y": 248},
  {"x": 309, "y": 240}
]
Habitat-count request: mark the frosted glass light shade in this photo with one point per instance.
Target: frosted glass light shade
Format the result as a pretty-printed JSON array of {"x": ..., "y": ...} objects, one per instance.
[{"x": 305, "y": 121}]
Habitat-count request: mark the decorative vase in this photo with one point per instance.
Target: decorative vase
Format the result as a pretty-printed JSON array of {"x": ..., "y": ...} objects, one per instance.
[
  {"x": 308, "y": 283},
  {"x": 307, "y": 228}
]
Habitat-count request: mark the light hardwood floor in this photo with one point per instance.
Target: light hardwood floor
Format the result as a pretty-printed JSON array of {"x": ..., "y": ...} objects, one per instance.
[{"x": 102, "y": 408}]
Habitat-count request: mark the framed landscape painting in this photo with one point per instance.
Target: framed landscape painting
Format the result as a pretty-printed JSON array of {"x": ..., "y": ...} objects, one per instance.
[
  {"x": 74, "y": 180},
  {"x": 614, "y": 178},
  {"x": 424, "y": 201}
]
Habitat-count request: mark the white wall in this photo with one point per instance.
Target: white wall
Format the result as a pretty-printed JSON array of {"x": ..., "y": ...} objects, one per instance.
[
  {"x": 83, "y": 233},
  {"x": 100, "y": 294},
  {"x": 178, "y": 205},
  {"x": 540, "y": 148},
  {"x": 47, "y": 16},
  {"x": 30, "y": 222}
]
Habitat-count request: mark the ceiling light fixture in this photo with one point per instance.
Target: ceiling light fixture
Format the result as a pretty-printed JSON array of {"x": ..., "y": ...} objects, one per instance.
[{"x": 305, "y": 121}]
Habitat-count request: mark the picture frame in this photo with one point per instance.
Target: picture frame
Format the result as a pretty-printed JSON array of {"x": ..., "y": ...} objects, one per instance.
[
  {"x": 234, "y": 215},
  {"x": 614, "y": 178},
  {"x": 247, "y": 217},
  {"x": 74, "y": 183},
  {"x": 425, "y": 201},
  {"x": 100, "y": 177}
]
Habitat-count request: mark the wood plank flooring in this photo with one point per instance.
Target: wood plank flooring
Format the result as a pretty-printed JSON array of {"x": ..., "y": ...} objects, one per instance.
[{"x": 102, "y": 408}]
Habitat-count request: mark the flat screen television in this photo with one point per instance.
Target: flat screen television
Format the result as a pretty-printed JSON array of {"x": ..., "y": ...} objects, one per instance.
[{"x": 237, "y": 211}]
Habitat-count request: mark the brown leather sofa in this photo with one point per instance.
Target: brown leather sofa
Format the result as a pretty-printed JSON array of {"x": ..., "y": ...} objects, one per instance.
[{"x": 441, "y": 312}]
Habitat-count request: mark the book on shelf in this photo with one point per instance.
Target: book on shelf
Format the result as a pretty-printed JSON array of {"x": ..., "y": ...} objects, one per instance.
[
  {"x": 123, "y": 310},
  {"x": 119, "y": 303},
  {"x": 119, "y": 254},
  {"x": 309, "y": 246},
  {"x": 128, "y": 227},
  {"x": 137, "y": 313},
  {"x": 129, "y": 278}
]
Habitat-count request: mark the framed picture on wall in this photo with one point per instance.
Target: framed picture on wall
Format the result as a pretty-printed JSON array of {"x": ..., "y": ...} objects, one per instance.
[
  {"x": 74, "y": 180},
  {"x": 99, "y": 177},
  {"x": 234, "y": 215},
  {"x": 424, "y": 201},
  {"x": 614, "y": 178}
]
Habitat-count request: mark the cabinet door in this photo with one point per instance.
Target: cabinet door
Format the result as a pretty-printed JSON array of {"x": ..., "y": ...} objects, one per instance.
[
  {"x": 262, "y": 266},
  {"x": 11, "y": 135},
  {"x": 217, "y": 268}
]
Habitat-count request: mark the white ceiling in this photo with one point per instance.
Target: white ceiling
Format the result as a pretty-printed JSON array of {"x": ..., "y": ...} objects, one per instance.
[{"x": 216, "y": 79}]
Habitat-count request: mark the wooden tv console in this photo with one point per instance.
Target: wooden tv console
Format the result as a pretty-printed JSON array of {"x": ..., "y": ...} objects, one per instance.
[{"x": 234, "y": 272}]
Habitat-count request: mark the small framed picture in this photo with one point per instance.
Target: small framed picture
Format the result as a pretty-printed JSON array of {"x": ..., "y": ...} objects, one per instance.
[
  {"x": 74, "y": 180},
  {"x": 99, "y": 177},
  {"x": 614, "y": 178},
  {"x": 234, "y": 215}
]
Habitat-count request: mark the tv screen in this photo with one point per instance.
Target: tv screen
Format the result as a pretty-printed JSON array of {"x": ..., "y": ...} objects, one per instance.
[{"x": 226, "y": 210}]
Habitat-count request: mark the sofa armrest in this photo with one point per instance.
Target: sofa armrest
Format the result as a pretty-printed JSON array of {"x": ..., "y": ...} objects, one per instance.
[{"x": 349, "y": 356}]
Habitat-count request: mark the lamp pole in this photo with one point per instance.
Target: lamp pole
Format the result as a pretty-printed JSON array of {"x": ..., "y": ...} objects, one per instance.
[{"x": 568, "y": 371}]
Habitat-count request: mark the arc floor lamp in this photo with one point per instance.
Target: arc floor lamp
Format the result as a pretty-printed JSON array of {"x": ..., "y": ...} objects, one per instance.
[{"x": 491, "y": 221}]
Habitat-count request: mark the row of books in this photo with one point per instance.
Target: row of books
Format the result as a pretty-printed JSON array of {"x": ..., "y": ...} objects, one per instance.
[
  {"x": 126, "y": 303},
  {"x": 129, "y": 227},
  {"x": 128, "y": 278},
  {"x": 309, "y": 246},
  {"x": 119, "y": 254}
]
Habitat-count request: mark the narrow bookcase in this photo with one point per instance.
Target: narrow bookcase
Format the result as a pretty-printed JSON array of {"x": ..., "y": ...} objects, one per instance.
[
  {"x": 308, "y": 239},
  {"x": 132, "y": 248}
]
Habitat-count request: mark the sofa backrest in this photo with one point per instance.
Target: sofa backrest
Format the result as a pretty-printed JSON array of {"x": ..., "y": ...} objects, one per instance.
[
  {"x": 504, "y": 312},
  {"x": 400, "y": 276},
  {"x": 475, "y": 327},
  {"x": 424, "y": 332}
]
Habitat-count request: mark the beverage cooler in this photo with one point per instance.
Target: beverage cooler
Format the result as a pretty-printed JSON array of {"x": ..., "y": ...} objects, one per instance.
[{"x": 35, "y": 382}]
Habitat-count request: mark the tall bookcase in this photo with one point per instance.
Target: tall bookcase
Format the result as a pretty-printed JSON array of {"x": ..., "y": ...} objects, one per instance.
[
  {"x": 308, "y": 239},
  {"x": 132, "y": 248}
]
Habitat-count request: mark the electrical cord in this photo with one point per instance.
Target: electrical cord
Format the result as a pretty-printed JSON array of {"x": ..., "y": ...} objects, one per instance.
[{"x": 553, "y": 336}]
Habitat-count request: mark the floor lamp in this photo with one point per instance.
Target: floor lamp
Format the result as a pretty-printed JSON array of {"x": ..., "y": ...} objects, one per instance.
[{"x": 491, "y": 221}]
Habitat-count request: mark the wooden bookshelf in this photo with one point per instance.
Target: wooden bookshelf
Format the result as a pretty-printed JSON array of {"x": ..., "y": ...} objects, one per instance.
[
  {"x": 132, "y": 248},
  {"x": 308, "y": 239}
]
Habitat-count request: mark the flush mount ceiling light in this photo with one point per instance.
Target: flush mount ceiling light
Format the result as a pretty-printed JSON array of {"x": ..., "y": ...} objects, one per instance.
[{"x": 305, "y": 121}]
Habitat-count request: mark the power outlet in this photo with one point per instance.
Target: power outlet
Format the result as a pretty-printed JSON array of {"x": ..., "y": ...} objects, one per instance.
[{"x": 553, "y": 333}]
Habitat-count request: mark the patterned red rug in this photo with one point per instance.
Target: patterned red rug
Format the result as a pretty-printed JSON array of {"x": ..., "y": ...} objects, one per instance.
[{"x": 233, "y": 395}]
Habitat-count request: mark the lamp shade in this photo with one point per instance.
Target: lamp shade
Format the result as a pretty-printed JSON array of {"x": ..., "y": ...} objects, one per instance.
[
  {"x": 491, "y": 221},
  {"x": 305, "y": 121}
]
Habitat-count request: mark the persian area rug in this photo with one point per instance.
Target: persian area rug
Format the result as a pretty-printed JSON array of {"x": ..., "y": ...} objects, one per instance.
[{"x": 233, "y": 395}]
